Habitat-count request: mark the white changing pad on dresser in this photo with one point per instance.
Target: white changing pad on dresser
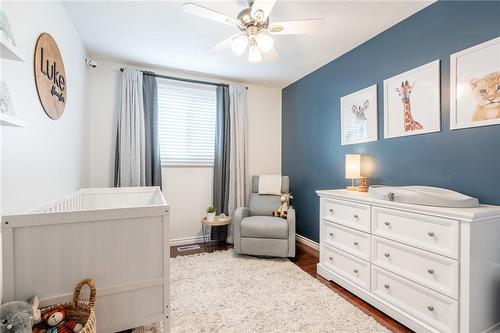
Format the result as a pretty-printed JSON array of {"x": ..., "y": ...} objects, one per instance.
[{"x": 423, "y": 195}]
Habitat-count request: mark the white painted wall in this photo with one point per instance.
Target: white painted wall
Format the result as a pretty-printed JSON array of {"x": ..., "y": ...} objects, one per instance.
[
  {"x": 47, "y": 158},
  {"x": 187, "y": 190}
]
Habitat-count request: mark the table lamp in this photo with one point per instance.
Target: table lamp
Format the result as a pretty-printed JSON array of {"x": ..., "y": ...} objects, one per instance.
[{"x": 352, "y": 169}]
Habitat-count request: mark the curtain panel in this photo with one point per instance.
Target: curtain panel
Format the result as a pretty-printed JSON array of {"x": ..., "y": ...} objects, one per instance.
[
  {"x": 152, "y": 144},
  {"x": 137, "y": 156}
]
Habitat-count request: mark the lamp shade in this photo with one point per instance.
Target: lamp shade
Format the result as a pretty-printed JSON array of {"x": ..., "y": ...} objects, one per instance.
[{"x": 352, "y": 166}]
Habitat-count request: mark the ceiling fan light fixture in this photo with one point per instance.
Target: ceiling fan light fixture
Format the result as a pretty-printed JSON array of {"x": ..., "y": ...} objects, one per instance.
[
  {"x": 239, "y": 44},
  {"x": 264, "y": 42},
  {"x": 254, "y": 54}
]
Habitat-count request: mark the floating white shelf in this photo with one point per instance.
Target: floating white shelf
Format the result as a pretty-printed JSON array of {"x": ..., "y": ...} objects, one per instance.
[
  {"x": 9, "y": 51},
  {"x": 7, "y": 120}
]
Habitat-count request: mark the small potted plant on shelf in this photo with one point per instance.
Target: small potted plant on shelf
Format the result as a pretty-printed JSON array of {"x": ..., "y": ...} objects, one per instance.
[{"x": 210, "y": 214}]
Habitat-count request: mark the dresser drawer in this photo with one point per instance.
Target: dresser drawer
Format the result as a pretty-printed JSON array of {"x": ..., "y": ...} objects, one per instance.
[
  {"x": 430, "y": 233},
  {"x": 347, "y": 213},
  {"x": 352, "y": 241},
  {"x": 349, "y": 267},
  {"x": 431, "y": 270},
  {"x": 428, "y": 306}
]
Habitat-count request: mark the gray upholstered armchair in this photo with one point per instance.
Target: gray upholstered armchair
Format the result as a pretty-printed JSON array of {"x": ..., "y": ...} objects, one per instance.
[{"x": 257, "y": 232}]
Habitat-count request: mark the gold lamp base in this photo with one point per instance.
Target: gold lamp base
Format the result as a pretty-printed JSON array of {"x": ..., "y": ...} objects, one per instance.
[{"x": 362, "y": 185}]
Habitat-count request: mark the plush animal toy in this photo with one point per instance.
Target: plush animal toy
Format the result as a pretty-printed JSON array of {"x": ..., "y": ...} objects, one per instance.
[
  {"x": 19, "y": 317},
  {"x": 282, "y": 211},
  {"x": 55, "y": 319}
]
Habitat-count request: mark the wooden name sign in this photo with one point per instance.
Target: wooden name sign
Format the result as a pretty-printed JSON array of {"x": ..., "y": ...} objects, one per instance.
[{"x": 50, "y": 76}]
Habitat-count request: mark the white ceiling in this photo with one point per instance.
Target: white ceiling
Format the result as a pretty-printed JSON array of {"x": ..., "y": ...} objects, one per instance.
[{"x": 161, "y": 34}]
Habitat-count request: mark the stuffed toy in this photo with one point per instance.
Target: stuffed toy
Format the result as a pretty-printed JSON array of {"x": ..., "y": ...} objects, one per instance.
[
  {"x": 282, "y": 211},
  {"x": 55, "y": 319},
  {"x": 19, "y": 317}
]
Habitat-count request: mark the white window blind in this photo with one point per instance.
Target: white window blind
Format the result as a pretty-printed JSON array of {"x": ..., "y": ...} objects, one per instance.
[{"x": 186, "y": 123}]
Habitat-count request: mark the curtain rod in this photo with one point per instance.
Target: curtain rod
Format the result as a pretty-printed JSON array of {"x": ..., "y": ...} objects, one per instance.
[{"x": 182, "y": 79}]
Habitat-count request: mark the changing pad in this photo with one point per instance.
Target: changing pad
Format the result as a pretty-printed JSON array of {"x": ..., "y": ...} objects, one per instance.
[{"x": 423, "y": 195}]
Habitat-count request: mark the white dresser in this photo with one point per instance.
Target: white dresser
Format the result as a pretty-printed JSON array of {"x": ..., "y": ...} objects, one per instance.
[{"x": 433, "y": 269}]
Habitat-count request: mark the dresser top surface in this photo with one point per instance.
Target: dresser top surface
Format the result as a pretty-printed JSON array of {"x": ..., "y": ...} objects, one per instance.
[{"x": 482, "y": 212}]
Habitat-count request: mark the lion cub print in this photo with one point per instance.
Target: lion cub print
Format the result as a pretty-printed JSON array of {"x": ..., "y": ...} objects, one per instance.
[{"x": 487, "y": 91}]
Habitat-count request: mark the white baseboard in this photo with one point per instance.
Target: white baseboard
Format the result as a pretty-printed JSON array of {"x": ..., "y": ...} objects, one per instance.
[
  {"x": 186, "y": 241},
  {"x": 306, "y": 241}
]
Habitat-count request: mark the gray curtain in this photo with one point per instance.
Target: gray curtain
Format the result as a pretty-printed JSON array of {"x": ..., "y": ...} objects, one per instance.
[
  {"x": 137, "y": 157},
  {"x": 221, "y": 159},
  {"x": 152, "y": 145},
  {"x": 130, "y": 145}
]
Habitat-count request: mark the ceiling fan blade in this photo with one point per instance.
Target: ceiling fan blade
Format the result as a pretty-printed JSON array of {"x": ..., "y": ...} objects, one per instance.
[
  {"x": 271, "y": 55},
  {"x": 210, "y": 14},
  {"x": 309, "y": 26},
  {"x": 261, "y": 9},
  {"x": 222, "y": 45}
]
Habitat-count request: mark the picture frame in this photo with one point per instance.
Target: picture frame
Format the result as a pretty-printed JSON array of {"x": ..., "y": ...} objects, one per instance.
[
  {"x": 412, "y": 102},
  {"x": 474, "y": 80},
  {"x": 359, "y": 116}
]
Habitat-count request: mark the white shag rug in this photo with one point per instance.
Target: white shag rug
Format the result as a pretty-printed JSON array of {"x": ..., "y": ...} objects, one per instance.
[{"x": 222, "y": 292}]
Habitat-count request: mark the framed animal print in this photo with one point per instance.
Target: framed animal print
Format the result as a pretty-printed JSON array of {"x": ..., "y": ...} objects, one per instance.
[
  {"x": 475, "y": 86},
  {"x": 358, "y": 116},
  {"x": 412, "y": 102}
]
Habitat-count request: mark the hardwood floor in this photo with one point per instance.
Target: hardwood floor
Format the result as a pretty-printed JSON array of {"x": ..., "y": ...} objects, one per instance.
[{"x": 307, "y": 258}]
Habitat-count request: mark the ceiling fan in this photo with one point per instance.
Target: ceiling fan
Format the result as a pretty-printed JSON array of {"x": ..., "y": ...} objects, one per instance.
[{"x": 255, "y": 29}]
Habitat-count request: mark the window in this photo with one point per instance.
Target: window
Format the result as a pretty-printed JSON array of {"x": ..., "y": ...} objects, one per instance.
[{"x": 186, "y": 123}]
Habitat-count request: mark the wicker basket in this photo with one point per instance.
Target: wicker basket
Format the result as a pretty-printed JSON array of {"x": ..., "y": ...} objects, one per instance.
[{"x": 80, "y": 311}]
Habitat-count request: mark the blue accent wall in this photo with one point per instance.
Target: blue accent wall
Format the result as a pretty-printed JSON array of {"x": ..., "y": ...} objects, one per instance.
[{"x": 466, "y": 160}]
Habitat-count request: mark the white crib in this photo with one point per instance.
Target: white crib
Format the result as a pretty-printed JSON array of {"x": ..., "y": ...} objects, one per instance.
[{"x": 117, "y": 236}]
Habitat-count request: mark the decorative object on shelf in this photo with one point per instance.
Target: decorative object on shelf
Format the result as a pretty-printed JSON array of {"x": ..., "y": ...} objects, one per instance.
[
  {"x": 210, "y": 214},
  {"x": 221, "y": 216},
  {"x": 5, "y": 28},
  {"x": 358, "y": 115},
  {"x": 18, "y": 316},
  {"x": 412, "y": 102},
  {"x": 362, "y": 184},
  {"x": 5, "y": 100},
  {"x": 50, "y": 76},
  {"x": 475, "y": 86}
]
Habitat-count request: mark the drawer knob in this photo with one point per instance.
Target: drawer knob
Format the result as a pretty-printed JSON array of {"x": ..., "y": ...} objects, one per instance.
[
  {"x": 331, "y": 211},
  {"x": 356, "y": 243},
  {"x": 430, "y": 308},
  {"x": 430, "y": 271},
  {"x": 387, "y": 223},
  {"x": 356, "y": 216},
  {"x": 355, "y": 271},
  {"x": 386, "y": 286},
  {"x": 430, "y": 233},
  {"x": 331, "y": 234},
  {"x": 331, "y": 258},
  {"x": 387, "y": 255}
]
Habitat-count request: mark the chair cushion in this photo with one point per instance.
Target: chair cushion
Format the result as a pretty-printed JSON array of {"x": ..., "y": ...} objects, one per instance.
[
  {"x": 264, "y": 227},
  {"x": 263, "y": 204}
]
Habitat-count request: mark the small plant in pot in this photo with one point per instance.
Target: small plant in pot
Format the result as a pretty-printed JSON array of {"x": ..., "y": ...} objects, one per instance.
[{"x": 210, "y": 214}]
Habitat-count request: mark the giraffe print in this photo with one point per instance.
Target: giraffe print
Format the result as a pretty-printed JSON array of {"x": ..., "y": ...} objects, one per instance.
[{"x": 404, "y": 91}]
